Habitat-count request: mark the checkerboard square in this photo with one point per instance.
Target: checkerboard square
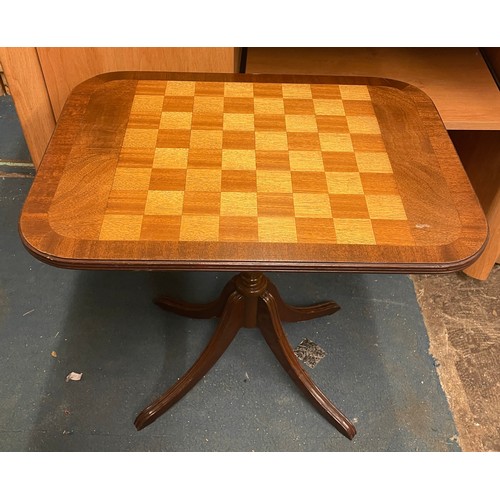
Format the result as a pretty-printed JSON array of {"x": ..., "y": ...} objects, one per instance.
[
  {"x": 126, "y": 202},
  {"x": 168, "y": 179},
  {"x": 271, "y": 141},
  {"x": 267, "y": 90},
  {"x": 363, "y": 125},
  {"x": 238, "y": 105},
  {"x": 147, "y": 104},
  {"x": 369, "y": 143},
  {"x": 238, "y": 121},
  {"x": 131, "y": 179},
  {"x": 387, "y": 207},
  {"x": 150, "y": 87},
  {"x": 357, "y": 108},
  {"x": 277, "y": 230},
  {"x": 206, "y": 139},
  {"x": 339, "y": 162},
  {"x": 373, "y": 162},
  {"x": 329, "y": 107},
  {"x": 296, "y": 91},
  {"x": 212, "y": 89},
  {"x": 234, "y": 229},
  {"x": 122, "y": 227},
  {"x": 274, "y": 182},
  {"x": 239, "y": 180},
  {"x": 349, "y": 206},
  {"x": 136, "y": 157},
  {"x": 161, "y": 228},
  {"x": 298, "y": 123},
  {"x": 238, "y": 159},
  {"x": 309, "y": 182},
  {"x": 238, "y": 204},
  {"x": 203, "y": 179},
  {"x": 268, "y": 106},
  {"x": 325, "y": 91},
  {"x": 199, "y": 228},
  {"x": 173, "y": 138},
  {"x": 335, "y": 142},
  {"x": 312, "y": 205},
  {"x": 176, "y": 120},
  {"x": 303, "y": 141},
  {"x": 298, "y": 106},
  {"x": 344, "y": 183},
  {"x": 392, "y": 232},
  {"x": 354, "y": 231},
  {"x": 238, "y": 89},
  {"x": 208, "y": 104},
  {"x": 204, "y": 158},
  {"x": 164, "y": 203},
  {"x": 170, "y": 158},
  {"x": 201, "y": 203},
  {"x": 272, "y": 160},
  {"x": 306, "y": 160},
  {"x": 179, "y": 88},
  {"x": 379, "y": 183},
  {"x": 311, "y": 230},
  {"x": 355, "y": 92},
  {"x": 207, "y": 121},
  {"x": 270, "y": 123},
  {"x": 144, "y": 121},
  {"x": 275, "y": 204},
  {"x": 140, "y": 138},
  {"x": 235, "y": 139},
  {"x": 178, "y": 103}
]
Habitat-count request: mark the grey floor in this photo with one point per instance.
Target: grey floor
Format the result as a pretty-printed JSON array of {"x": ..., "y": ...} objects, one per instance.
[{"x": 103, "y": 324}]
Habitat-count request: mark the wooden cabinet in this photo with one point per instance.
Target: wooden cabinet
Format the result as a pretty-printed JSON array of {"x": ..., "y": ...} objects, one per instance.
[{"x": 40, "y": 79}]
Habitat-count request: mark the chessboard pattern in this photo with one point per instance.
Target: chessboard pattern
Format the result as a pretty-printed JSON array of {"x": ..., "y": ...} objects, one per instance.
[{"x": 254, "y": 162}]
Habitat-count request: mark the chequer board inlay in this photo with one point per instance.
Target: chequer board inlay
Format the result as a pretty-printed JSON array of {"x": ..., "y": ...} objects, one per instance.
[{"x": 254, "y": 162}]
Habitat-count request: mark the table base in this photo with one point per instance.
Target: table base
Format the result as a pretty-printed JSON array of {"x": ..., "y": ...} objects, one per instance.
[{"x": 248, "y": 300}]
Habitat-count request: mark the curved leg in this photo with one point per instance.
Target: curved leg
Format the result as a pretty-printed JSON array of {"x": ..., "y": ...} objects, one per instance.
[
  {"x": 200, "y": 311},
  {"x": 269, "y": 322},
  {"x": 229, "y": 324},
  {"x": 293, "y": 314}
]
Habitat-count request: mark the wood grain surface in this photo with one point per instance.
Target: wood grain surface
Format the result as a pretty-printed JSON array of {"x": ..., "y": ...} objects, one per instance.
[{"x": 182, "y": 171}]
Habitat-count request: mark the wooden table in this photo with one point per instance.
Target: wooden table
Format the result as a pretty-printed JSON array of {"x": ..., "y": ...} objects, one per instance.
[{"x": 249, "y": 173}]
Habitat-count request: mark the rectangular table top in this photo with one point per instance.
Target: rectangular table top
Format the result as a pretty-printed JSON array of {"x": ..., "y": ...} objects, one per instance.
[{"x": 181, "y": 171}]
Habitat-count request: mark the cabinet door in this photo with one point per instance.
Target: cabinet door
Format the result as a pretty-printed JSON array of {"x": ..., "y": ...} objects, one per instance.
[{"x": 40, "y": 79}]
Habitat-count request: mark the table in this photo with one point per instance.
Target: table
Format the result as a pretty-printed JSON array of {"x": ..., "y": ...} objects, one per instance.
[{"x": 250, "y": 173}]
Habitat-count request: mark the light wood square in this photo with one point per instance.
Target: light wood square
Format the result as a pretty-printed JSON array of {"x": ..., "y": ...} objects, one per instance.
[
  {"x": 314, "y": 205},
  {"x": 277, "y": 230},
  {"x": 363, "y": 125},
  {"x": 238, "y": 159},
  {"x": 199, "y": 228},
  {"x": 176, "y": 120},
  {"x": 331, "y": 107},
  {"x": 355, "y": 92},
  {"x": 301, "y": 123},
  {"x": 164, "y": 203},
  {"x": 206, "y": 139},
  {"x": 373, "y": 162},
  {"x": 203, "y": 179},
  {"x": 271, "y": 141},
  {"x": 132, "y": 179},
  {"x": 296, "y": 91},
  {"x": 274, "y": 182},
  {"x": 170, "y": 158},
  {"x": 180, "y": 88},
  {"x": 354, "y": 232},
  {"x": 268, "y": 106},
  {"x": 238, "y": 89},
  {"x": 147, "y": 104},
  {"x": 385, "y": 207},
  {"x": 238, "y": 121},
  {"x": 205, "y": 104},
  {"x": 306, "y": 160},
  {"x": 116, "y": 227},
  {"x": 140, "y": 138},
  {"x": 344, "y": 183},
  {"x": 238, "y": 203},
  {"x": 335, "y": 142}
]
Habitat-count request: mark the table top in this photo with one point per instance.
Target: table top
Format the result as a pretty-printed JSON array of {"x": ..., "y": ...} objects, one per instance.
[{"x": 211, "y": 171}]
